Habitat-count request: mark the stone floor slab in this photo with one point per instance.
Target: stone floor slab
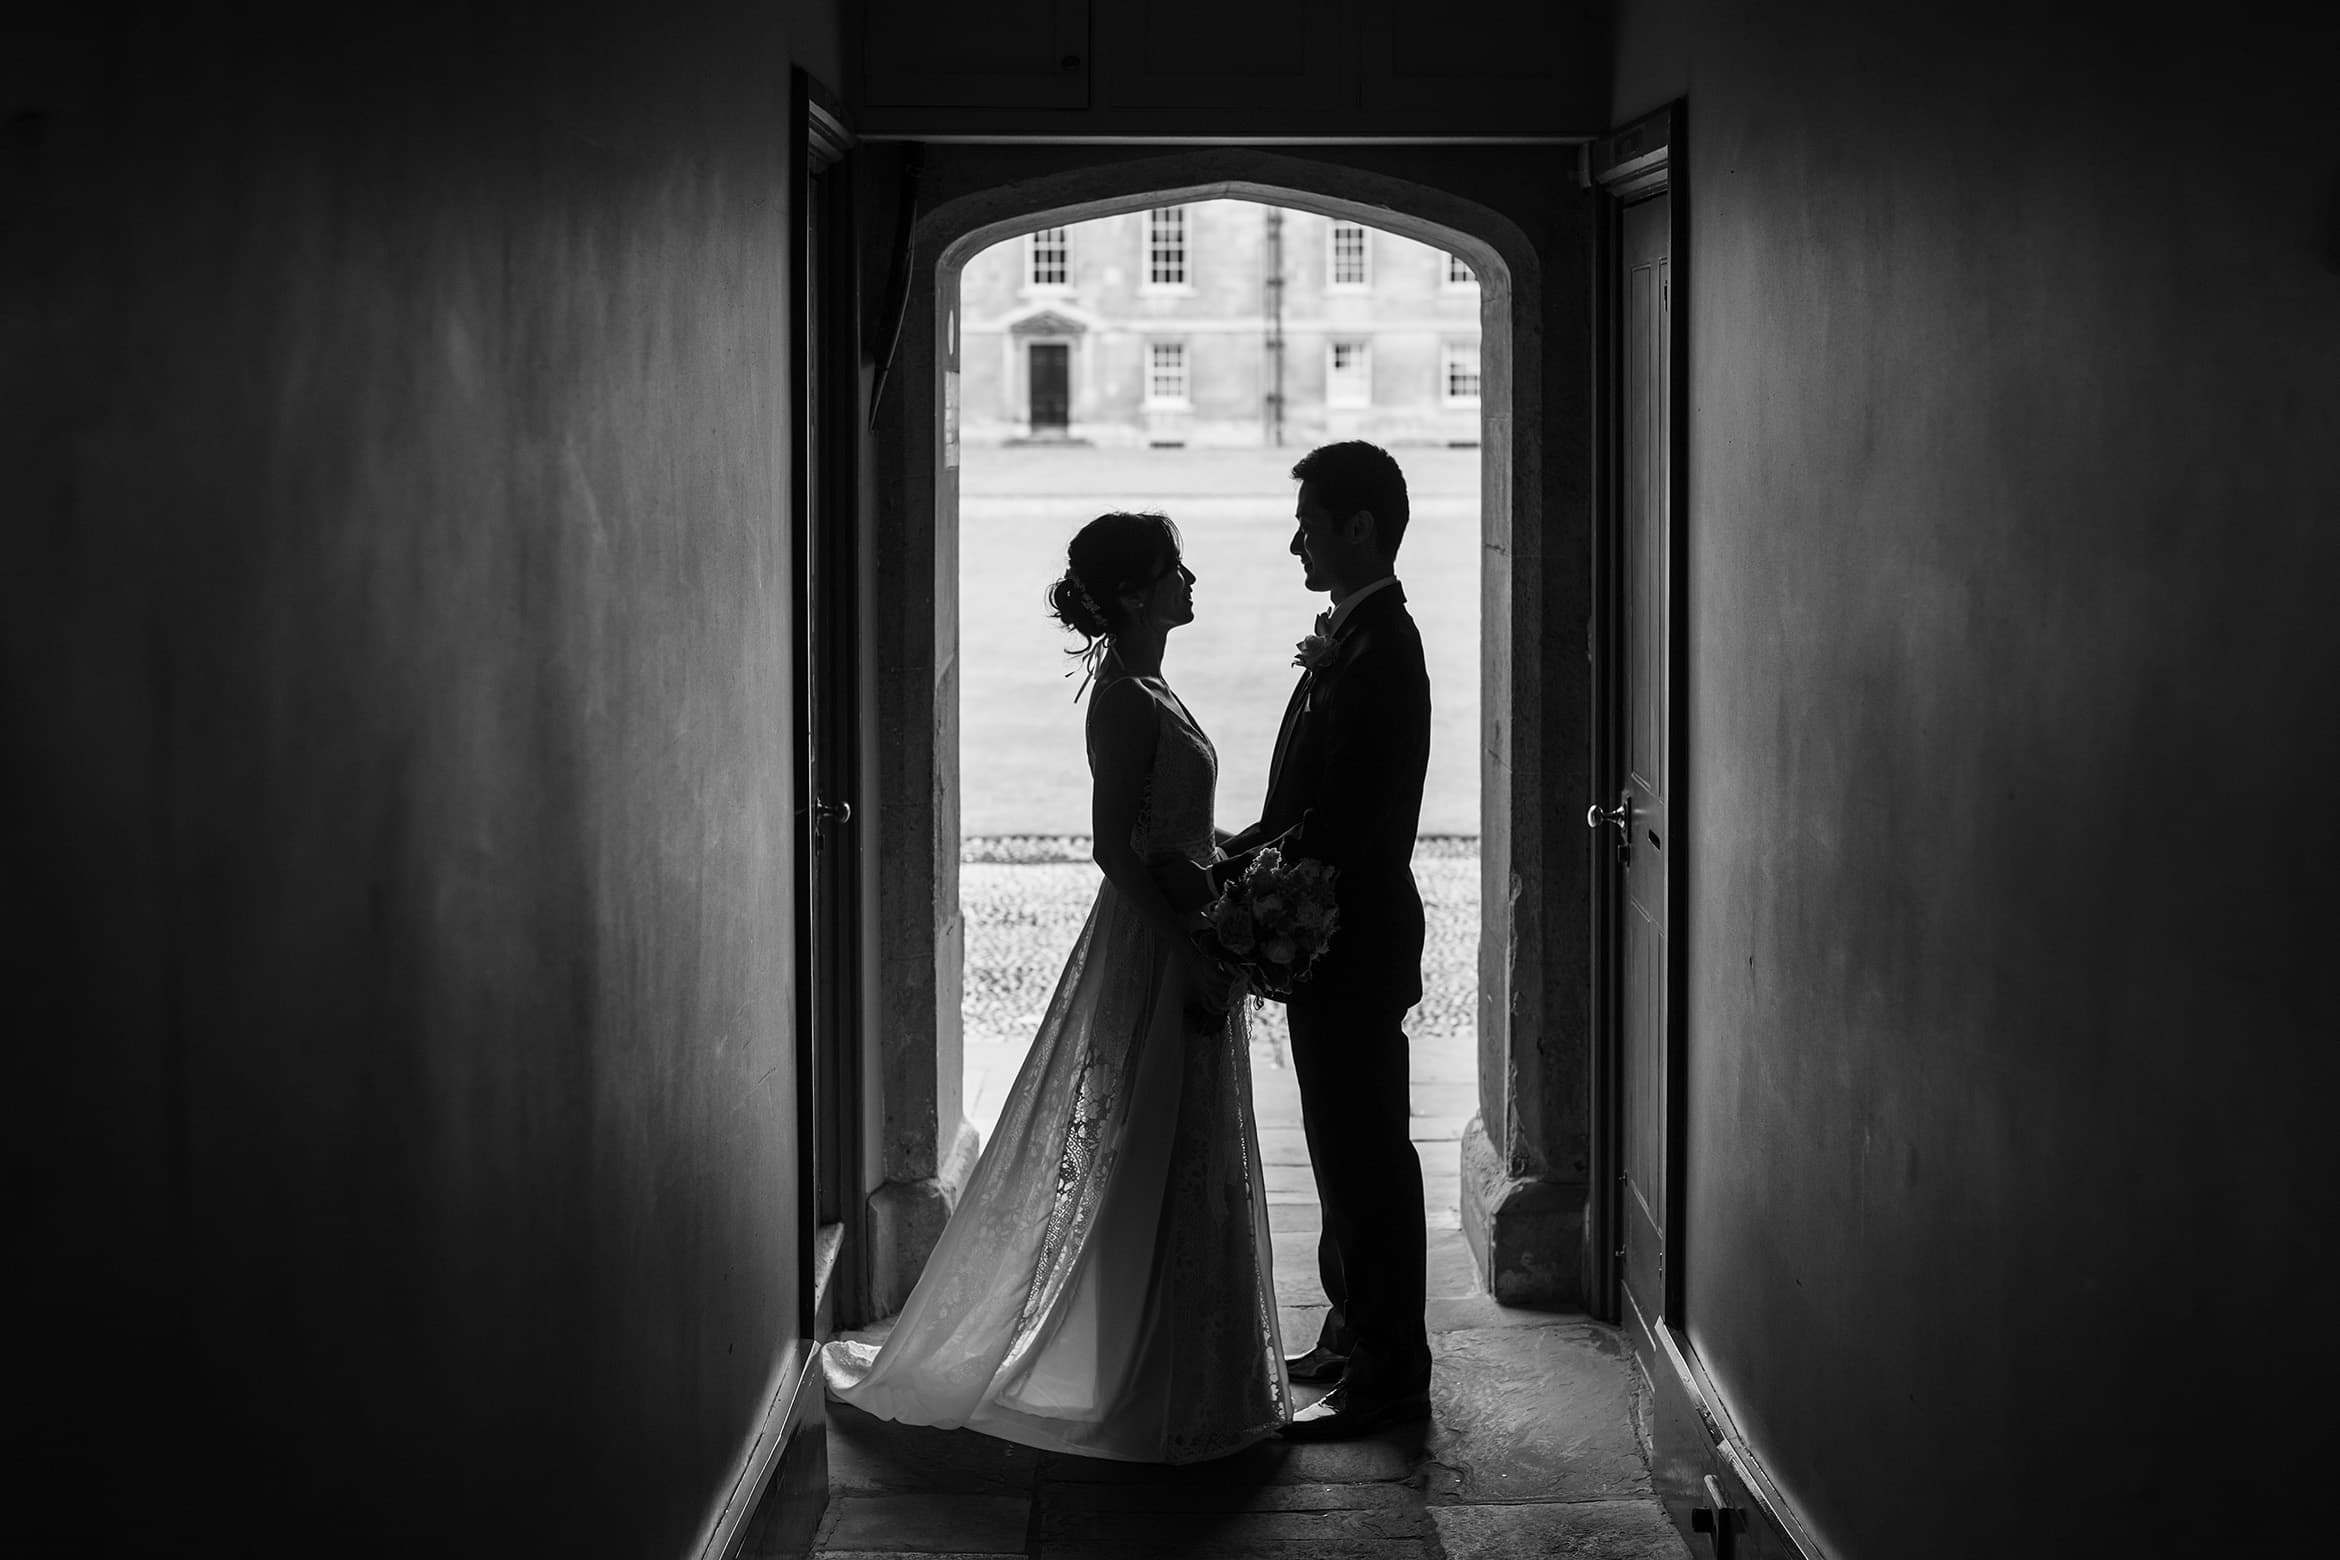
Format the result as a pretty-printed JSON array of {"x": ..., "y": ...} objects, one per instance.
[
  {"x": 1385, "y": 1533},
  {"x": 1282, "y": 1144},
  {"x": 1444, "y": 1063},
  {"x": 1579, "y": 1530},
  {"x": 1272, "y": 1461},
  {"x": 1459, "y": 1101},
  {"x": 1301, "y": 1323},
  {"x": 1353, "y": 1496},
  {"x": 1533, "y": 1414},
  {"x": 927, "y": 1524},
  {"x": 1458, "y": 1313},
  {"x": 1295, "y": 1260},
  {"x": 1291, "y": 1182},
  {"x": 1452, "y": 1270},
  {"x": 872, "y": 1456}
]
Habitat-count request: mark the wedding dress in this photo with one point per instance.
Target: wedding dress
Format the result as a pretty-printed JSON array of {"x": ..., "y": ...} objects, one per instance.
[{"x": 1104, "y": 1286}]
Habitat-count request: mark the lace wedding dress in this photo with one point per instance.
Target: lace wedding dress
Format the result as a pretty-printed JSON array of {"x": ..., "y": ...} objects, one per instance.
[{"x": 1103, "y": 1287}]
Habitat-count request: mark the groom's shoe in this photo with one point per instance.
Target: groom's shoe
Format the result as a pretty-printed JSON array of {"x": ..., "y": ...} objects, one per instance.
[
  {"x": 1340, "y": 1417},
  {"x": 1318, "y": 1364}
]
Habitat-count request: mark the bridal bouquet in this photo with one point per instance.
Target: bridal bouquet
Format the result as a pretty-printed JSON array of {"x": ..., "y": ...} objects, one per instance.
[{"x": 1274, "y": 921}]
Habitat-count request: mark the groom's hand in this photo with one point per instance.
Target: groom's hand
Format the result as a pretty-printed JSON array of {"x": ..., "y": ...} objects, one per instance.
[
  {"x": 1227, "y": 869},
  {"x": 1186, "y": 885}
]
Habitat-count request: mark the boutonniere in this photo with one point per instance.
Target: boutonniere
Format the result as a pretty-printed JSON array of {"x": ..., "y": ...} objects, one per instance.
[{"x": 1316, "y": 652}]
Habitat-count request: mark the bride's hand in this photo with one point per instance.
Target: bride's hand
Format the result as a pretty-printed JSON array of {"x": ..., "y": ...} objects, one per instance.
[
  {"x": 1211, "y": 982},
  {"x": 1183, "y": 883}
]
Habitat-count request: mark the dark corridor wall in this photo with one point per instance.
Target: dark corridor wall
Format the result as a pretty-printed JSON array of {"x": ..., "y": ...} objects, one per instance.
[
  {"x": 2014, "y": 474},
  {"x": 397, "y": 665}
]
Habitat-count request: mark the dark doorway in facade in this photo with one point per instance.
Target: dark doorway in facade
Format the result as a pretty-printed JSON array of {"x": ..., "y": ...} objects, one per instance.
[{"x": 1051, "y": 387}]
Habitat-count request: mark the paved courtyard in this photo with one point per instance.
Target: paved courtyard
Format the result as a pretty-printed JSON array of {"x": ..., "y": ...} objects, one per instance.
[{"x": 1534, "y": 1447}]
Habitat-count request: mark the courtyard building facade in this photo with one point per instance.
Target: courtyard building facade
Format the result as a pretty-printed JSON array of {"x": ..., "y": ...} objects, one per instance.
[{"x": 1219, "y": 322}]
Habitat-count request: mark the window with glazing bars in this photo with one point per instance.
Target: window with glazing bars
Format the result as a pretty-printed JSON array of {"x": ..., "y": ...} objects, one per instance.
[
  {"x": 1166, "y": 371},
  {"x": 1348, "y": 376},
  {"x": 1166, "y": 246},
  {"x": 1462, "y": 372},
  {"x": 1351, "y": 255},
  {"x": 1052, "y": 258}
]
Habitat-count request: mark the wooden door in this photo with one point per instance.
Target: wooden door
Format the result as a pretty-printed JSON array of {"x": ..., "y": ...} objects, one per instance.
[
  {"x": 1638, "y": 815},
  {"x": 827, "y": 736},
  {"x": 1051, "y": 386}
]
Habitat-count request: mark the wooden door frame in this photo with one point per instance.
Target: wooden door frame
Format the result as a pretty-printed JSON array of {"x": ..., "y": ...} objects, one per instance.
[
  {"x": 1639, "y": 162},
  {"x": 822, "y": 142},
  {"x": 1707, "y": 1475}
]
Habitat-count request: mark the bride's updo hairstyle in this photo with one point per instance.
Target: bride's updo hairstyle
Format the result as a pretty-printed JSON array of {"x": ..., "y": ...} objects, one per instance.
[{"x": 1111, "y": 554}]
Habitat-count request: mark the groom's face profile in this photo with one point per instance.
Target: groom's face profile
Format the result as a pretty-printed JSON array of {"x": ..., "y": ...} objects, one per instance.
[{"x": 1329, "y": 549}]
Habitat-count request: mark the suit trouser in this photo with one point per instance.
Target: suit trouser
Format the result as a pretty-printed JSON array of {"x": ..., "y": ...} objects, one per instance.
[{"x": 1350, "y": 1059}]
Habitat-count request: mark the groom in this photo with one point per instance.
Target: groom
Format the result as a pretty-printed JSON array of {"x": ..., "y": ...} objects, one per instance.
[{"x": 1346, "y": 786}]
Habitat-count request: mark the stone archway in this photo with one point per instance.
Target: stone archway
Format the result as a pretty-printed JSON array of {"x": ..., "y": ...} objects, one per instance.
[{"x": 1519, "y": 217}]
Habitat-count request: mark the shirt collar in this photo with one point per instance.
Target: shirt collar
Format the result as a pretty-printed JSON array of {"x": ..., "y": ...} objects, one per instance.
[{"x": 1340, "y": 614}]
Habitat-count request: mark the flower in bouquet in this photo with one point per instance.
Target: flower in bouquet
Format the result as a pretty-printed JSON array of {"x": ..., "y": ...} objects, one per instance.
[
  {"x": 1231, "y": 921},
  {"x": 1275, "y": 921}
]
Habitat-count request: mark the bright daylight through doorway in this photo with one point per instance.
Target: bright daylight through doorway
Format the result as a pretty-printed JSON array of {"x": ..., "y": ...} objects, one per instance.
[{"x": 1181, "y": 359}]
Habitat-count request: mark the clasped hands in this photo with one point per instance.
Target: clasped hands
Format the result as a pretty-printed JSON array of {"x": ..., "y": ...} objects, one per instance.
[{"x": 1212, "y": 983}]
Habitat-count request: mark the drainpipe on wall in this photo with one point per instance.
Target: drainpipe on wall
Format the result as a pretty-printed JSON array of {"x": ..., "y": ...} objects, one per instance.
[{"x": 1273, "y": 285}]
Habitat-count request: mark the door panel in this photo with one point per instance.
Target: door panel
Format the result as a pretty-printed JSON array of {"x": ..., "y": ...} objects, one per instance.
[
  {"x": 1051, "y": 385},
  {"x": 1644, "y": 596},
  {"x": 824, "y": 546}
]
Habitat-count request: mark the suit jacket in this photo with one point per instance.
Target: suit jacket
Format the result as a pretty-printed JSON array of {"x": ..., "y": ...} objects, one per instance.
[{"x": 1347, "y": 774}]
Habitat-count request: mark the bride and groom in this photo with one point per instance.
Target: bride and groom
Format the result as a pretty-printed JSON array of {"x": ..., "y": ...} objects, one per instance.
[{"x": 1104, "y": 1286}]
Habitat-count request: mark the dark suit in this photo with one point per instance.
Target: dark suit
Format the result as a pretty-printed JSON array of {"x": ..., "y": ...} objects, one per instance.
[{"x": 1348, "y": 773}]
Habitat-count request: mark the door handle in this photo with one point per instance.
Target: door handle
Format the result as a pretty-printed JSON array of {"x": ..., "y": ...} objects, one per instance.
[
  {"x": 833, "y": 812},
  {"x": 1619, "y": 817}
]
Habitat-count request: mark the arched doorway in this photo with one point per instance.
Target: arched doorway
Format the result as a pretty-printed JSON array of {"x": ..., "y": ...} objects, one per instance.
[{"x": 1524, "y": 1181}]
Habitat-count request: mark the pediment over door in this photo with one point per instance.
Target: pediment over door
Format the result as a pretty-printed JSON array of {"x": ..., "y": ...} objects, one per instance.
[{"x": 1047, "y": 323}]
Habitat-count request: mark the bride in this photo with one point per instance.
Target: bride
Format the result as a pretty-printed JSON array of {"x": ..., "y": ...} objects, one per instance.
[{"x": 1104, "y": 1286}]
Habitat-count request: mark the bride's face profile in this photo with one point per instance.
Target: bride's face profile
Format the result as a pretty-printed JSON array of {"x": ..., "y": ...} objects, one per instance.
[{"x": 1168, "y": 601}]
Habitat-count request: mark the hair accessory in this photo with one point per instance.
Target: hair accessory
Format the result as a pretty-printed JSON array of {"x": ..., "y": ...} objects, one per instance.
[
  {"x": 1094, "y": 656},
  {"x": 1090, "y": 659}
]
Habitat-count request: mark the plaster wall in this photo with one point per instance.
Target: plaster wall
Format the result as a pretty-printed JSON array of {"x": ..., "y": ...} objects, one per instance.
[
  {"x": 2014, "y": 456},
  {"x": 397, "y": 624}
]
